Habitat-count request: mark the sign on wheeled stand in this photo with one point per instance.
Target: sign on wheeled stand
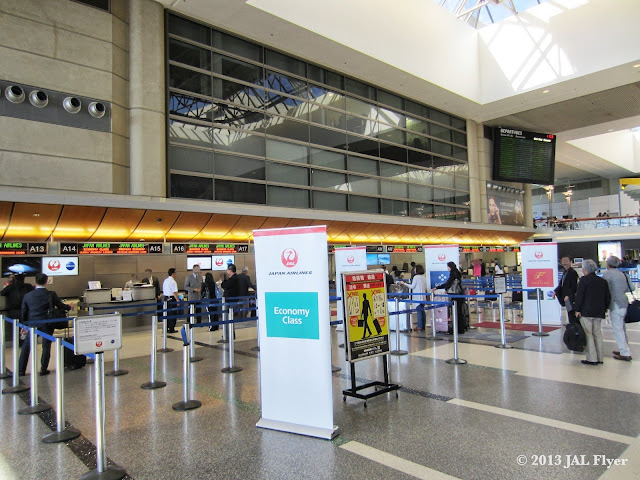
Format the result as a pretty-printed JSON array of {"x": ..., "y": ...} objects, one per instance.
[{"x": 366, "y": 328}]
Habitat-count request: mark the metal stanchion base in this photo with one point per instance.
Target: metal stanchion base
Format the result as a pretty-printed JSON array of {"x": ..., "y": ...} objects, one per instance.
[
  {"x": 16, "y": 389},
  {"x": 5, "y": 375},
  {"x": 68, "y": 433},
  {"x": 195, "y": 359},
  {"x": 335, "y": 369},
  {"x": 152, "y": 385},
  {"x": 116, "y": 373},
  {"x": 231, "y": 369},
  {"x": 223, "y": 340},
  {"x": 164, "y": 350},
  {"x": 540, "y": 334},
  {"x": 255, "y": 349},
  {"x": 111, "y": 473},
  {"x": 41, "y": 407},
  {"x": 456, "y": 361},
  {"x": 398, "y": 352},
  {"x": 188, "y": 405},
  {"x": 435, "y": 338},
  {"x": 504, "y": 346}
]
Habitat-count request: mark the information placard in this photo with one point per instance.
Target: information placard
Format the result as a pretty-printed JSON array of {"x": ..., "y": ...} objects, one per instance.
[
  {"x": 367, "y": 319},
  {"x": 500, "y": 283},
  {"x": 296, "y": 385},
  {"x": 540, "y": 270},
  {"x": 436, "y": 258},
  {"x": 97, "y": 333}
]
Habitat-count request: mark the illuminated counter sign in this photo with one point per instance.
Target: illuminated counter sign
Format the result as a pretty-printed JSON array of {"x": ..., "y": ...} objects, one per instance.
[
  {"x": 375, "y": 249},
  {"x": 109, "y": 248},
  {"x": 208, "y": 248},
  {"x": 404, "y": 249},
  {"x": 22, "y": 248}
]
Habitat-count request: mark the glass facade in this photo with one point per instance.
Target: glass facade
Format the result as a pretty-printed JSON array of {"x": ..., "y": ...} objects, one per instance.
[{"x": 251, "y": 125}]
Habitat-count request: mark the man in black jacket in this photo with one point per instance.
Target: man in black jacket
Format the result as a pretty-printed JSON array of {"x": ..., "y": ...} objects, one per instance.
[
  {"x": 35, "y": 306},
  {"x": 566, "y": 291},
  {"x": 592, "y": 300}
]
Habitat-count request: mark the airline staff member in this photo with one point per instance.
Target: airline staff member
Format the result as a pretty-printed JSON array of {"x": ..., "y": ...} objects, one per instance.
[{"x": 170, "y": 292}]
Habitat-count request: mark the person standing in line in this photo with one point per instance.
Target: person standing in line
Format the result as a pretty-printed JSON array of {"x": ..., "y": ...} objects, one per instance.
[
  {"x": 388, "y": 279},
  {"x": 244, "y": 284},
  {"x": 618, "y": 287},
  {"x": 413, "y": 270},
  {"x": 15, "y": 292},
  {"x": 192, "y": 284},
  {"x": 231, "y": 282},
  {"x": 35, "y": 306},
  {"x": 150, "y": 279},
  {"x": 592, "y": 300},
  {"x": 453, "y": 286},
  {"x": 566, "y": 291},
  {"x": 209, "y": 290},
  {"x": 419, "y": 285},
  {"x": 170, "y": 292}
]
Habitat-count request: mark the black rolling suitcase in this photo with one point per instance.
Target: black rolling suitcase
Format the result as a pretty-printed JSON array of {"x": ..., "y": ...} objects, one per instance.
[
  {"x": 377, "y": 326},
  {"x": 72, "y": 361},
  {"x": 574, "y": 337}
]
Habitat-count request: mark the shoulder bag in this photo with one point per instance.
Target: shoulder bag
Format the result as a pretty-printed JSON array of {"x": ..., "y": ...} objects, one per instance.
[{"x": 633, "y": 310}]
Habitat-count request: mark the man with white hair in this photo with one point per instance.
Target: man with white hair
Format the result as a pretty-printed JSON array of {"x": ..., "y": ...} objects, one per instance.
[
  {"x": 592, "y": 300},
  {"x": 618, "y": 287}
]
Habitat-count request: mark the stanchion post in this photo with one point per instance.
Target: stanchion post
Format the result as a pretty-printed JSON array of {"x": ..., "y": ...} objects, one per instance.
[
  {"x": 503, "y": 335},
  {"x": 62, "y": 433},
  {"x": 15, "y": 387},
  {"x": 164, "y": 349},
  {"x": 225, "y": 316},
  {"x": 454, "y": 315},
  {"x": 231, "y": 368},
  {"x": 539, "y": 333},
  {"x": 434, "y": 334},
  {"x": 397, "y": 351},
  {"x": 257, "y": 347},
  {"x": 3, "y": 368},
  {"x": 102, "y": 471},
  {"x": 117, "y": 371},
  {"x": 192, "y": 343},
  {"x": 153, "y": 383},
  {"x": 186, "y": 404},
  {"x": 35, "y": 407}
]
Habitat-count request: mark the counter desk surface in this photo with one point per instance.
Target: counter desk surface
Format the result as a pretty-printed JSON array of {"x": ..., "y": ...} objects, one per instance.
[{"x": 130, "y": 322}]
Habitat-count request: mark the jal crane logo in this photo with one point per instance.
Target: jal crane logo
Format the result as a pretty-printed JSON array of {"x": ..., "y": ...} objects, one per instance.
[
  {"x": 539, "y": 254},
  {"x": 442, "y": 257},
  {"x": 53, "y": 265},
  {"x": 351, "y": 259},
  {"x": 289, "y": 257},
  {"x": 219, "y": 262}
]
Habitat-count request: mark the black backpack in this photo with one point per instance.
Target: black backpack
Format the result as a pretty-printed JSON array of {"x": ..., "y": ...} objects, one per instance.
[{"x": 574, "y": 337}]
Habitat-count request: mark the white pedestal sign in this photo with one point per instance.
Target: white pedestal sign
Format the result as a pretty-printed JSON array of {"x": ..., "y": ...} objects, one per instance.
[
  {"x": 540, "y": 270},
  {"x": 295, "y": 337},
  {"x": 347, "y": 259},
  {"x": 97, "y": 333}
]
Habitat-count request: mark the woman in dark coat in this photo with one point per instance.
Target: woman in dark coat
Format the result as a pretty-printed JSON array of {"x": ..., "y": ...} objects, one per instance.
[
  {"x": 454, "y": 274},
  {"x": 209, "y": 291}
]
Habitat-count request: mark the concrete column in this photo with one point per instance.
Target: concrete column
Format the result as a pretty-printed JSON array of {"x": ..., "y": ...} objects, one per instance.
[
  {"x": 527, "y": 205},
  {"x": 147, "y": 145},
  {"x": 474, "y": 173}
]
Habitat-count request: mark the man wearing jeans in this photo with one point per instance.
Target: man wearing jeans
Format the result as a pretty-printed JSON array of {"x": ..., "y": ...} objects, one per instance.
[
  {"x": 618, "y": 286},
  {"x": 592, "y": 300}
]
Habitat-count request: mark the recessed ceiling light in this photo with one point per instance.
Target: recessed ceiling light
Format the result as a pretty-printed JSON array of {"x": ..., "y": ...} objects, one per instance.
[
  {"x": 637, "y": 65},
  {"x": 36, "y": 214},
  {"x": 545, "y": 91}
]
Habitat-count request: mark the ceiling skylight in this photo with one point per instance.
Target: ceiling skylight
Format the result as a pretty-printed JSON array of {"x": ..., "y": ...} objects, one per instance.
[{"x": 479, "y": 13}]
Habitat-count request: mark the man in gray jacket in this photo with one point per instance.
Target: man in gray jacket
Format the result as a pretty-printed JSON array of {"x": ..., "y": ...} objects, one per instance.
[
  {"x": 192, "y": 284},
  {"x": 618, "y": 287}
]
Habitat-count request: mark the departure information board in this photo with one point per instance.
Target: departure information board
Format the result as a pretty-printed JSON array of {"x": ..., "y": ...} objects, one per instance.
[
  {"x": 97, "y": 248},
  {"x": 209, "y": 248},
  {"x": 492, "y": 249},
  {"x": 23, "y": 248},
  {"x": 521, "y": 156}
]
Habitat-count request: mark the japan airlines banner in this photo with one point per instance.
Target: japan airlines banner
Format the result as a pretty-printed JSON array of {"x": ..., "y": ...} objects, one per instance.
[
  {"x": 540, "y": 270},
  {"x": 347, "y": 259},
  {"x": 296, "y": 386},
  {"x": 436, "y": 258}
]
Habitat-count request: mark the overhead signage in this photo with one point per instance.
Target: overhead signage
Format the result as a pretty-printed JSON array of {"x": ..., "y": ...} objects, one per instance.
[
  {"x": 366, "y": 316},
  {"x": 375, "y": 248},
  {"x": 109, "y": 248},
  {"x": 492, "y": 249},
  {"x": 296, "y": 385},
  {"x": 60, "y": 266},
  {"x": 404, "y": 249},
  {"x": 23, "y": 248},
  {"x": 97, "y": 333},
  {"x": 208, "y": 248}
]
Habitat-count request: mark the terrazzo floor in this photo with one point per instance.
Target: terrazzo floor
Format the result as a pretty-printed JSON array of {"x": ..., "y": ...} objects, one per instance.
[{"x": 531, "y": 412}]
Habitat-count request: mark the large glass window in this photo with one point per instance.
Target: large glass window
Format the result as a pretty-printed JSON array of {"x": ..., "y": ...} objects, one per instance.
[{"x": 245, "y": 121}]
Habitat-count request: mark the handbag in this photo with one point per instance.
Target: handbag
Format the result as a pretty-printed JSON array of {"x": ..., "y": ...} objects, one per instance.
[
  {"x": 633, "y": 310},
  {"x": 55, "y": 312}
]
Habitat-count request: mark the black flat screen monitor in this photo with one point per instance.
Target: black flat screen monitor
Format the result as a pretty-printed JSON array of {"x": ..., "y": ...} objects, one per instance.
[
  {"x": 523, "y": 157},
  {"x": 28, "y": 266}
]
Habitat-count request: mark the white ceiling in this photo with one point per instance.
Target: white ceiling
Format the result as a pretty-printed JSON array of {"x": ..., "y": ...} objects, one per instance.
[{"x": 582, "y": 51}]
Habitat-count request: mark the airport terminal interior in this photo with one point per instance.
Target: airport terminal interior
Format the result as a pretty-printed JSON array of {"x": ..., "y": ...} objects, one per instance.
[{"x": 155, "y": 136}]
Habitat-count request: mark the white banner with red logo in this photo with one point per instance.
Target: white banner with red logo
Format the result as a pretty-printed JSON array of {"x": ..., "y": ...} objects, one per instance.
[
  {"x": 295, "y": 337},
  {"x": 436, "y": 258},
  {"x": 540, "y": 270},
  {"x": 347, "y": 259}
]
